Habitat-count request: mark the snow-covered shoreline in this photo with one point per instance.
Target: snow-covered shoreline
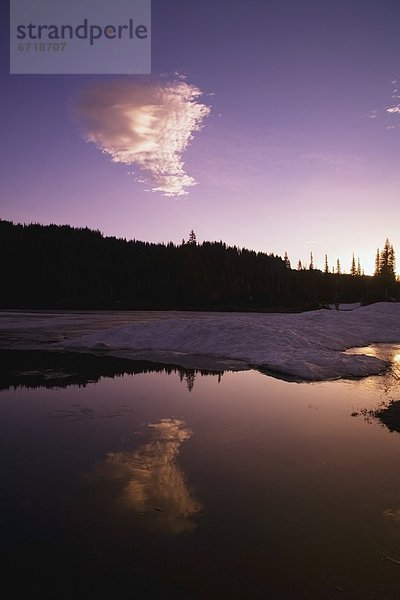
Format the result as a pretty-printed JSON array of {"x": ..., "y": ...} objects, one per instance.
[{"x": 309, "y": 346}]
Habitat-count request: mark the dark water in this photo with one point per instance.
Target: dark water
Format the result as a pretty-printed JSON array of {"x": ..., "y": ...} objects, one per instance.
[{"x": 179, "y": 484}]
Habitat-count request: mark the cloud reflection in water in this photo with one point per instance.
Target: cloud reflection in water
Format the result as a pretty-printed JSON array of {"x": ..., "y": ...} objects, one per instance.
[{"x": 149, "y": 483}]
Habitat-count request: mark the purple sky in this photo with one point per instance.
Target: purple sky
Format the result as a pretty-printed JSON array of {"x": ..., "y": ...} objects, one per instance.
[{"x": 298, "y": 152}]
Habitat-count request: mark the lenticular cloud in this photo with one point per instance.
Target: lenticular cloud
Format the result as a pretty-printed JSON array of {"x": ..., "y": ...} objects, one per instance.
[{"x": 147, "y": 124}]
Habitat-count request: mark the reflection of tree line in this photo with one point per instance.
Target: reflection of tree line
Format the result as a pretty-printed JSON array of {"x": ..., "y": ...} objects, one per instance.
[
  {"x": 37, "y": 368},
  {"x": 189, "y": 376}
]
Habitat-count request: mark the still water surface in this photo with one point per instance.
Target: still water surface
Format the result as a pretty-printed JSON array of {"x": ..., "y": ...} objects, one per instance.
[{"x": 185, "y": 485}]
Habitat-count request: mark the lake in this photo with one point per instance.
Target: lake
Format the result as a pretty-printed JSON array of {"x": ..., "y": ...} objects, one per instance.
[{"x": 149, "y": 482}]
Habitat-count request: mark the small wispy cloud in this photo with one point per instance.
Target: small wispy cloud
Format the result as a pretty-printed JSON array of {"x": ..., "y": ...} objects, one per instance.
[
  {"x": 396, "y": 89},
  {"x": 147, "y": 124},
  {"x": 385, "y": 114},
  {"x": 393, "y": 109}
]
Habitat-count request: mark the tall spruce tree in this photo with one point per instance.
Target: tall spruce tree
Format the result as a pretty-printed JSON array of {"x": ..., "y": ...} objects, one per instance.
[
  {"x": 353, "y": 268},
  {"x": 377, "y": 269},
  {"x": 192, "y": 238},
  {"x": 286, "y": 261},
  {"x": 387, "y": 263}
]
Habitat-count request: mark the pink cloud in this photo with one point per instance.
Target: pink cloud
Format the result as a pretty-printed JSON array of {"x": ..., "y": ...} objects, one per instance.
[{"x": 148, "y": 124}]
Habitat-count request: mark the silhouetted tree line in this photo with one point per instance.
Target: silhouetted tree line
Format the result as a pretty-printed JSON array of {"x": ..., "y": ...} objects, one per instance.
[{"x": 61, "y": 267}]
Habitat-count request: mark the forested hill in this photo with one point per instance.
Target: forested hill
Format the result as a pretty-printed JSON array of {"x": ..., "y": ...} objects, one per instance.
[{"x": 70, "y": 268}]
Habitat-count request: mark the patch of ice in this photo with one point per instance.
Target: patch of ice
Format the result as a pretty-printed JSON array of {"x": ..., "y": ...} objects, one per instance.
[{"x": 307, "y": 346}]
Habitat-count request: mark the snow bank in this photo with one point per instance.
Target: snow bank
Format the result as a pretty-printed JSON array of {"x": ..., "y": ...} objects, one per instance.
[{"x": 307, "y": 346}]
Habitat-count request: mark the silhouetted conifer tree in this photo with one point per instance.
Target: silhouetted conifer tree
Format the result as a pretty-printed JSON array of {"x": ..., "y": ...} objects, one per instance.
[
  {"x": 377, "y": 263},
  {"x": 326, "y": 268},
  {"x": 192, "y": 238},
  {"x": 387, "y": 263},
  {"x": 286, "y": 261},
  {"x": 353, "y": 268}
]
